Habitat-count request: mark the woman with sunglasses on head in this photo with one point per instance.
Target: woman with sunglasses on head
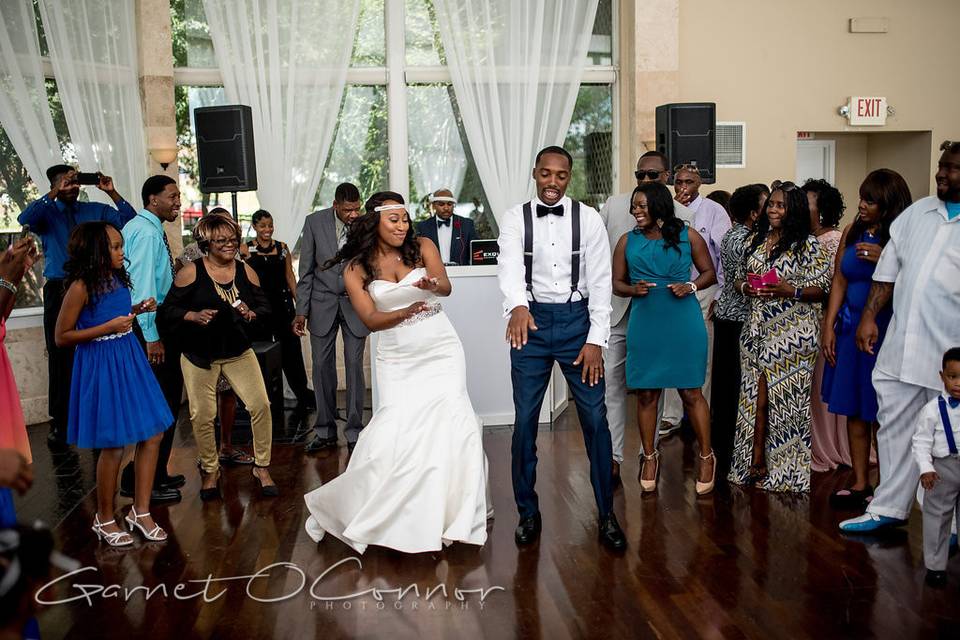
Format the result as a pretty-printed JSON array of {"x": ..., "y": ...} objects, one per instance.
[
  {"x": 785, "y": 276},
  {"x": 847, "y": 387},
  {"x": 416, "y": 481},
  {"x": 215, "y": 306}
]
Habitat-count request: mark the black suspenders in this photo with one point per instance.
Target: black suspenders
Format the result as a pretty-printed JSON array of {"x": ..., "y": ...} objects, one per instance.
[{"x": 574, "y": 246}]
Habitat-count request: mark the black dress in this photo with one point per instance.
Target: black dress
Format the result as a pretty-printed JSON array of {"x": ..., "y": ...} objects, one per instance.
[{"x": 270, "y": 264}]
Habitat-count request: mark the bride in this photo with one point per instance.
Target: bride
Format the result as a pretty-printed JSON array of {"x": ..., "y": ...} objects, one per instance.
[{"x": 417, "y": 478}]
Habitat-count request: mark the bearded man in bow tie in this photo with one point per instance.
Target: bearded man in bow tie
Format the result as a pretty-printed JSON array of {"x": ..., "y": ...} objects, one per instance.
[
  {"x": 554, "y": 273},
  {"x": 451, "y": 233}
]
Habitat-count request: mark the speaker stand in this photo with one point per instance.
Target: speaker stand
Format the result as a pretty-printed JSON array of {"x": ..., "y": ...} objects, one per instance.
[{"x": 233, "y": 202}]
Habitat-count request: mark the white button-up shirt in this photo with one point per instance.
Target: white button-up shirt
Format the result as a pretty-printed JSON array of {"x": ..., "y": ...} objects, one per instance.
[
  {"x": 444, "y": 236},
  {"x": 552, "y": 246},
  {"x": 922, "y": 259},
  {"x": 930, "y": 438}
]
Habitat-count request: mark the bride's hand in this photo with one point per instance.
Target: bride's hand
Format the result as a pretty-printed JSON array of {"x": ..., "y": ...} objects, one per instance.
[
  {"x": 427, "y": 284},
  {"x": 412, "y": 310}
]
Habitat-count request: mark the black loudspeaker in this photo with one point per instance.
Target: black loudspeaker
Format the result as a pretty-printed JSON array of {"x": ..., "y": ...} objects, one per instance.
[
  {"x": 225, "y": 148},
  {"x": 686, "y": 133}
]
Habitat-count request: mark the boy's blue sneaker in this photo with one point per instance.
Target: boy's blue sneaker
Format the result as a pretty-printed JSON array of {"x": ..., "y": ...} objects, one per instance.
[{"x": 869, "y": 523}]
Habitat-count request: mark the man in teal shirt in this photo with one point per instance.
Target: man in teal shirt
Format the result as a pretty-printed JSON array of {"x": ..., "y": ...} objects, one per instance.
[{"x": 151, "y": 271}]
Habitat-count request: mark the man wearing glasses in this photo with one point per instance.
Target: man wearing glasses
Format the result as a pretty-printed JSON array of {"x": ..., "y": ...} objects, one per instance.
[
  {"x": 652, "y": 167},
  {"x": 151, "y": 272}
]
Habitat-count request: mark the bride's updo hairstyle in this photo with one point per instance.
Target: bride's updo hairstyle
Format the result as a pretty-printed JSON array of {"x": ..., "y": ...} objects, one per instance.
[{"x": 363, "y": 239}]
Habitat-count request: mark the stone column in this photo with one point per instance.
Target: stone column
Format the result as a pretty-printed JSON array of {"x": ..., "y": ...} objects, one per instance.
[
  {"x": 649, "y": 75},
  {"x": 155, "y": 47}
]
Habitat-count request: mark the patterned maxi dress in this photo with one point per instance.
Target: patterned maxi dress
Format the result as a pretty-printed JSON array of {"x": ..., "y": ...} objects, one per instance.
[{"x": 780, "y": 339}]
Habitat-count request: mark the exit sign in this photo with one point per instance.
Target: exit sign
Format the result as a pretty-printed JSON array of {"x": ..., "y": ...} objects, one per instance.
[{"x": 866, "y": 111}]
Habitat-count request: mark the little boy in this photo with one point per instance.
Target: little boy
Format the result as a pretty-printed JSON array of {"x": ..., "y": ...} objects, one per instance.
[{"x": 935, "y": 449}]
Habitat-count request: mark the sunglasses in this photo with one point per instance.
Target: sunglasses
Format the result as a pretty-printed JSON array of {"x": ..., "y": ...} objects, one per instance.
[
  {"x": 692, "y": 168},
  {"x": 784, "y": 186},
  {"x": 649, "y": 174}
]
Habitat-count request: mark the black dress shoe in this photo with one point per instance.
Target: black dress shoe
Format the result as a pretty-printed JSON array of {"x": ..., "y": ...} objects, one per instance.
[
  {"x": 172, "y": 482},
  {"x": 936, "y": 578},
  {"x": 610, "y": 533},
  {"x": 528, "y": 530},
  {"x": 56, "y": 440},
  {"x": 318, "y": 444},
  {"x": 158, "y": 495}
]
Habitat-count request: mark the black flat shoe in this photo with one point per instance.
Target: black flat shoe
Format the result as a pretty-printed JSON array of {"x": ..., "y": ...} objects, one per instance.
[
  {"x": 267, "y": 491},
  {"x": 319, "y": 444},
  {"x": 213, "y": 493},
  {"x": 936, "y": 579},
  {"x": 528, "y": 530},
  {"x": 158, "y": 495},
  {"x": 851, "y": 499},
  {"x": 610, "y": 533},
  {"x": 173, "y": 482}
]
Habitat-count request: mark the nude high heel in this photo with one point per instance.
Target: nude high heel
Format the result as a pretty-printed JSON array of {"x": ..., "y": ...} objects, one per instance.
[
  {"x": 647, "y": 486},
  {"x": 704, "y": 488}
]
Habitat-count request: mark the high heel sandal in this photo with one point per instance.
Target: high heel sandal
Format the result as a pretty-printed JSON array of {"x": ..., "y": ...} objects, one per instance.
[
  {"x": 113, "y": 538},
  {"x": 157, "y": 534},
  {"x": 757, "y": 473},
  {"x": 704, "y": 488},
  {"x": 646, "y": 486},
  {"x": 213, "y": 493},
  {"x": 267, "y": 491}
]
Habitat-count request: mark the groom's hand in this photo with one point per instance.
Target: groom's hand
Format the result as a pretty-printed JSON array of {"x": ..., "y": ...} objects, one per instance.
[
  {"x": 592, "y": 358},
  {"x": 520, "y": 323}
]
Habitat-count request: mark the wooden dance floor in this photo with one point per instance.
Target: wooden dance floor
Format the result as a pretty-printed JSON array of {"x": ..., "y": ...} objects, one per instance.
[{"x": 737, "y": 564}]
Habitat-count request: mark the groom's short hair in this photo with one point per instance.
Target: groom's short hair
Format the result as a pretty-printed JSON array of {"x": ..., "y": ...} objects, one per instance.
[
  {"x": 346, "y": 192},
  {"x": 560, "y": 151}
]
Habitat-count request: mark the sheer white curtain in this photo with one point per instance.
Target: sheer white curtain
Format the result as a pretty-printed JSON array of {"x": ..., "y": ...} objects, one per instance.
[
  {"x": 516, "y": 69},
  {"x": 94, "y": 55},
  {"x": 288, "y": 60},
  {"x": 24, "y": 110},
  {"x": 437, "y": 158}
]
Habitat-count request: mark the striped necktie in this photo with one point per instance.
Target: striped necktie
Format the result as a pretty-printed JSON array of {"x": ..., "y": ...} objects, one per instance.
[{"x": 166, "y": 243}]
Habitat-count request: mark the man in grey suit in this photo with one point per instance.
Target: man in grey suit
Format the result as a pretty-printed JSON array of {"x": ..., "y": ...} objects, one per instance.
[
  {"x": 653, "y": 166},
  {"x": 322, "y": 300}
]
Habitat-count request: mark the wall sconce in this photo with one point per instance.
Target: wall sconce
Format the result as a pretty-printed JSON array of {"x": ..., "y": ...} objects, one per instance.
[{"x": 164, "y": 155}]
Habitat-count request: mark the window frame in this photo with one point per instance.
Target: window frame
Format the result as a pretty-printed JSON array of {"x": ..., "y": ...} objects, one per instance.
[{"x": 397, "y": 75}]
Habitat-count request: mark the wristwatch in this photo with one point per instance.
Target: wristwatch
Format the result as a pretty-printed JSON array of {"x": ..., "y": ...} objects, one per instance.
[{"x": 692, "y": 286}]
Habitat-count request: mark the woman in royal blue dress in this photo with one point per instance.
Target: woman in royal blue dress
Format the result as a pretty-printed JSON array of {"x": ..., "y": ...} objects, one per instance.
[
  {"x": 114, "y": 397},
  {"x": 847, "y": 389},
  {"x": 666, "y": 336}
]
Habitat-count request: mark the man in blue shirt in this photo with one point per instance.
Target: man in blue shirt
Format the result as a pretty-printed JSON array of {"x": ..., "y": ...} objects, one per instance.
[
  {"x": 151, "y": 272},
  {"x": 53, "y": 217}
]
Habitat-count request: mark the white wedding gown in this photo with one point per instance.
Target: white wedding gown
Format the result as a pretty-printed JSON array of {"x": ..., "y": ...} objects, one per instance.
[{"x": 417, "y": 477}]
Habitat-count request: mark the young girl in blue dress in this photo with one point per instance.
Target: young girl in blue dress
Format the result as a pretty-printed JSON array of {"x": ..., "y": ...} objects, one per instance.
[{"x": 114, "y": 397}]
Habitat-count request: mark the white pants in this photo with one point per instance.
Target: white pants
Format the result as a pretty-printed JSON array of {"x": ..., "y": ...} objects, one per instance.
[
  {"x": 671, "y": 407},
  {"x": 899, "y": 404}
]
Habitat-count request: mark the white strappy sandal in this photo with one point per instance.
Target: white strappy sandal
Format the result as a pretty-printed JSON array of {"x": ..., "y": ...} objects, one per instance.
[
  {"x": 157, "y": 534},
  {"x": 113, "y": 538}
]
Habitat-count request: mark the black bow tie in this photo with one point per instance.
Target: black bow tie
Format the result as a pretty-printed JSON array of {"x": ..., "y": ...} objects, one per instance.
[
  {"x": 441, "y": 222},
  {"x": 544, "y": 210}
]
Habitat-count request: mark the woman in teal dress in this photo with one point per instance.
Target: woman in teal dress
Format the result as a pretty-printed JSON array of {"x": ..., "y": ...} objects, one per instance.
[{"x": 666, "y": 336}]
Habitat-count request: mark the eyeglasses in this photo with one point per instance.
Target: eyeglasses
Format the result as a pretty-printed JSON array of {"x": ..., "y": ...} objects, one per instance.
[
  {"x": 692, "y": 168},
  {"x": 782, "y": 186},
  {"x": 649, "y": 174},
  {"x": 222, "y": 242}
]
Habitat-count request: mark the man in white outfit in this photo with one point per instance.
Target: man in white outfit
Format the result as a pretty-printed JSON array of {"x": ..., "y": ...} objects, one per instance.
[
  {"x": 652, "y": 167},
  {"x": 920, "y": 270}
]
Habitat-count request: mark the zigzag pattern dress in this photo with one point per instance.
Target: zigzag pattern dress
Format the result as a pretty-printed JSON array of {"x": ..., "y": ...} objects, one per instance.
[{"x": 780, "y": 340}]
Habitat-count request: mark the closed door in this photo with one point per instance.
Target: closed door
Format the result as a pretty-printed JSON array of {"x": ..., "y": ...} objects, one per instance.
[{"x": 815, "y": 160}]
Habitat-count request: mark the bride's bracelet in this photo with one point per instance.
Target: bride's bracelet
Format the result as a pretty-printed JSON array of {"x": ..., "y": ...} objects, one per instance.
[{"x": 9, "y": 286}]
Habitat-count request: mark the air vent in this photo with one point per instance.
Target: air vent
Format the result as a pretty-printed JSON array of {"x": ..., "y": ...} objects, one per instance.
[{"x": 731, "y": 145}]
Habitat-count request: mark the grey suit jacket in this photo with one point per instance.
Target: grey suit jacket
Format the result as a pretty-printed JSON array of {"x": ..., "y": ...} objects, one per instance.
[
  {"x": 618, "y": 220},
  {"x": 320, "y": 294}
]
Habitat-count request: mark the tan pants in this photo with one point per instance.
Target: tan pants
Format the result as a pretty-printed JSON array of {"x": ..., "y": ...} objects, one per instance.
[{"x": 243, "y": 374}]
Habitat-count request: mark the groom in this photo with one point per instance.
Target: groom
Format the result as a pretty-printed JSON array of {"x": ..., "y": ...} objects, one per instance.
[{"x": 554, "y": 273}]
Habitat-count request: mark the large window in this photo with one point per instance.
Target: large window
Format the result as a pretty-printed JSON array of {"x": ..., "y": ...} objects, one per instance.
[{"x": 409, "y": 137}]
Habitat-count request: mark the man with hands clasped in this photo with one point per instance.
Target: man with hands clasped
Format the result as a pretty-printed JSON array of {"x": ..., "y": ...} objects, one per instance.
[{"x": 554, "y": 273}]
